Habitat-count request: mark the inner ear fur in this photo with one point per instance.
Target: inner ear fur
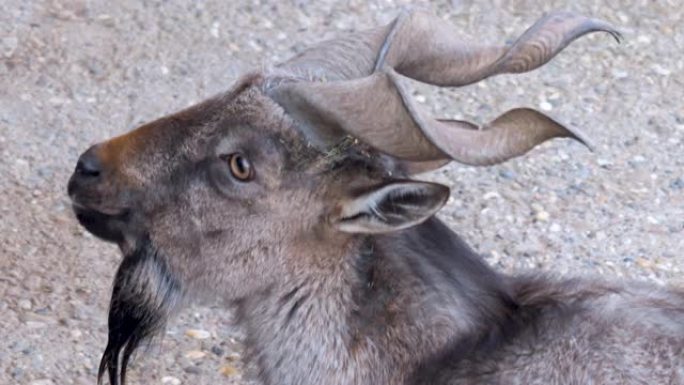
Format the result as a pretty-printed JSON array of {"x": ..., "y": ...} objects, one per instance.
[{"x": 391, "y": 206}]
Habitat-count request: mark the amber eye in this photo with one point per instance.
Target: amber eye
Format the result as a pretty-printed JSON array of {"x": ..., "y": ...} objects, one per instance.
[{"x": 239, "y": 167}]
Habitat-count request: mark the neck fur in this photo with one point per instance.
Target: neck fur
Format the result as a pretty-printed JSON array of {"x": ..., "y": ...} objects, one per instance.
[{"x": 389, "y": 304}]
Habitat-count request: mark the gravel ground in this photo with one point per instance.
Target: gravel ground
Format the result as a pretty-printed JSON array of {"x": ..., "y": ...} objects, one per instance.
[{"x": 76, "y": 72}]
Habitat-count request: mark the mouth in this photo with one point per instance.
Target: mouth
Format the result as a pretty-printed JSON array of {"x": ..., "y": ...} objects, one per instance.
[{"x": 108, "y": 227}]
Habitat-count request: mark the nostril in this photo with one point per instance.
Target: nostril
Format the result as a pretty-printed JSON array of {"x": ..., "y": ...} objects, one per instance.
[
  {"x": 88, "y": 165},
  {"x": 87, "y": 169}
]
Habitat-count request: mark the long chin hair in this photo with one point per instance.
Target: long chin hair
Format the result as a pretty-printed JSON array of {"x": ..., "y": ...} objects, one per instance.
[{"x": 145, "y": 294}]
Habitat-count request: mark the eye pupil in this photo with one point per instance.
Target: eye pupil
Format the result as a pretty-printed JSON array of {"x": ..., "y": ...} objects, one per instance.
[{"x": 240, "y": 167}]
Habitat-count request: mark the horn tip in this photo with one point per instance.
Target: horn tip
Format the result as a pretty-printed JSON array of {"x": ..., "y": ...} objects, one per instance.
[
  {"x": 600, "y": 25},
  {"x": 582, "y": 138},
  {"x": 617, "y": 35}
]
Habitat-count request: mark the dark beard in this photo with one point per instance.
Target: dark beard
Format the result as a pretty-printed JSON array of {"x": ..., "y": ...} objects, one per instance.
[{"x": 145, "y": 294}]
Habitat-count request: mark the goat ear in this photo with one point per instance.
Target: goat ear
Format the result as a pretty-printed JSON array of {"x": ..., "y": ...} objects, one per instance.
[{"x": 390, "y": 207}]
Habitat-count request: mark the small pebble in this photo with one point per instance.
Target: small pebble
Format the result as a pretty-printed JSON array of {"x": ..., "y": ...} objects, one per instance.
[
  {"x": 24, "y": 304},
  {"x": 495, "y": 257},
  {"x": 639, "y": 159},
  {"x": 170, "y": 380},
  {"x": 195, "y": 354},
  {"x": 620, "y": 74},
  {"x": 35, "y": 324},
  {"x": 602, "y": 162},
  {"x": 229, "y": 370},
  {"x": 8, "y": 45},
  {"x": 490, "y": 195},
  {"x": 507, "y": 174},
  {"x": 644, "y": 263},
  {"x": 214, "y": 31},
  {"x": 217, "y": 350},
  {"x": 660, "y": 70},
  {"x": 644, "y": 39},
  {"x": 197, "y": 334},
  {"x": 17, "y": 373},
  {"x": 44, "y": 381},
  {"x": 677, "y": 184},
  {"x": 542, "y": 216},
  {"x": 192, "y": 370},
  {"x": 233, "y": 357}
]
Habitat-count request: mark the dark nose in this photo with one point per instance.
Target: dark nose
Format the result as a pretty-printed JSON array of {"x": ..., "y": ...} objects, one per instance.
[
  {"x": 88, "y": 166},
  {"x": 87, "y": 173}
]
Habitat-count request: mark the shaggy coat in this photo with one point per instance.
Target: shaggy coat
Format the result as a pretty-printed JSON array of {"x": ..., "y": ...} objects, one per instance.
[{"x": 289, "y": 198}]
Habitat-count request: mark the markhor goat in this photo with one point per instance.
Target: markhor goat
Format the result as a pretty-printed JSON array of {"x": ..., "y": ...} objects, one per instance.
[{"x": 289, "y": 197}]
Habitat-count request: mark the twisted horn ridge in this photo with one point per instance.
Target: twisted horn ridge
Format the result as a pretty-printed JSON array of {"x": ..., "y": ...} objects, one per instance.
[
  {"x": 360, "y": 88},
  {"x": 378, "y": 111},
  {"x": 424, "y": 48}
]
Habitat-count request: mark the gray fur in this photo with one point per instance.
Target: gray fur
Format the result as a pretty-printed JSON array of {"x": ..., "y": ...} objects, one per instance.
[{"x": 322, "y": 306}]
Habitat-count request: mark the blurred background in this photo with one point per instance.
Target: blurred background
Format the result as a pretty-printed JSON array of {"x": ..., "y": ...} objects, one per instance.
[{"x": 73, "y": 73}]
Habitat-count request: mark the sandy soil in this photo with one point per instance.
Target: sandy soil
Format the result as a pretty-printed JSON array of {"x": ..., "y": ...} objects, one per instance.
[{"x": 76, "y": 72}]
